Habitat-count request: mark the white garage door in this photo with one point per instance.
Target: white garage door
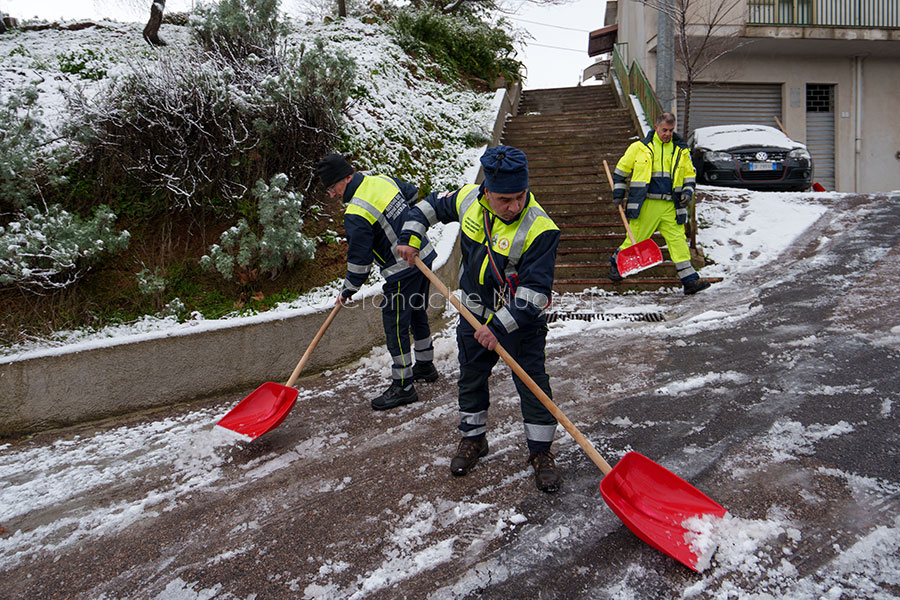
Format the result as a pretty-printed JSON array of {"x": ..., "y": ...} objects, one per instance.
[{"x": 727, "y": 103}]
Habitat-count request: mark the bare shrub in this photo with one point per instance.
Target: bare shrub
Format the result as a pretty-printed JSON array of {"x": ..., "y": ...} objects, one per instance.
[{"x": 196, "y": 130}]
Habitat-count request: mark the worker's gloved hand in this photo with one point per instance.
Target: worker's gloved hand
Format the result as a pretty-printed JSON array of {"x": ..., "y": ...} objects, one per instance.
[
  {"x": 408, "y": 253},
  {"x": 619, "y": 202},
  {"x": 685, "y": 200}
]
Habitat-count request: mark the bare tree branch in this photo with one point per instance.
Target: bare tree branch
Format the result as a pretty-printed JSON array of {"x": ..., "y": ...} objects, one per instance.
[{"x": 698, "y": 39}]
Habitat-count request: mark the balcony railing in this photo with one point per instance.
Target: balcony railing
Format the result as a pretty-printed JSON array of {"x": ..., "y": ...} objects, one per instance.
[{"x": 881, "y": 14}]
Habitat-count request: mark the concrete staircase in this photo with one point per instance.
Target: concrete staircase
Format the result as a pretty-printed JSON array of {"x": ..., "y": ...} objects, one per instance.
[{"x": 567, "y": 133}]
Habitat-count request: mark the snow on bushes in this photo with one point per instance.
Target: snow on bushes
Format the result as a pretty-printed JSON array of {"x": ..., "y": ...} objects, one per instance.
[
  {"x": 50, "y": 249},
  {"x": 270, "y": 247}
]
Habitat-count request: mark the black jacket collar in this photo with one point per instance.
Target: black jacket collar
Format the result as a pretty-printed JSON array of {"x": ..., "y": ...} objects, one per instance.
[{"x": 351, "y": 188}]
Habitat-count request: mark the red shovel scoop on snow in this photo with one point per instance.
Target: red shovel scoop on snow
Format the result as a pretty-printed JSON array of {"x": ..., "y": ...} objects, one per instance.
[
  {"x": 652, "y": 501},
  {"x": 268, "y": 405},
  {"x": 638, "y": 256}
]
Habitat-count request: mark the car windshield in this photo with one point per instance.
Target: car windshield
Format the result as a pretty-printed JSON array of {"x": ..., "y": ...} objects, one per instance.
[{"x": 729, "y": 137}]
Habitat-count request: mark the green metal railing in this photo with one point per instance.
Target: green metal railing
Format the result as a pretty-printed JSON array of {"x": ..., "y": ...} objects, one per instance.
[
  {"x": 641, "y": 88},
  {"x": 633, "y": 81},
  {"x": 883, "y": 14}
]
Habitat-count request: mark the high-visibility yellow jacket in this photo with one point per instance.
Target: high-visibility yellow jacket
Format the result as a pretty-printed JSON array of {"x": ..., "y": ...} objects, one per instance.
[
  {"x": 507, "y": 267},
  {"x": 377, "y": 207},
  {"x": 657, "y": 170}
]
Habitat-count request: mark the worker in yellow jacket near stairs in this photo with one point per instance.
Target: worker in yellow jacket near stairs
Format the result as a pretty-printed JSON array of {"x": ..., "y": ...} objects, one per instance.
[{"x": 662, "y": 187}]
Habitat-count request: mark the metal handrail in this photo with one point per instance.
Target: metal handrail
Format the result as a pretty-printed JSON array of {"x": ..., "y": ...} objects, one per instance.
[
  {"x": 853, "y": 14},
  {"x": 644, "y": 91},
  {"x": 621, "y": 71}
]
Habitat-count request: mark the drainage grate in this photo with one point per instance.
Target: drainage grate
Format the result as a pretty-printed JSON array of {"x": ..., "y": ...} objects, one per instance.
[{"x": 604, "y": 316}]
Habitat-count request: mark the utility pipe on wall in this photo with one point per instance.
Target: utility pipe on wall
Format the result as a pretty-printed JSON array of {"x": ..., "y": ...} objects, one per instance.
[{"x": 858, "y": 93}]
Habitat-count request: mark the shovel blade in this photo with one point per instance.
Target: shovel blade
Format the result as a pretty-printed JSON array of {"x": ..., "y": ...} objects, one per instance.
[
  {"x": 263, "y": 410},
  {"x": 653, "y": 503},
  {"x": 642, "y": 255}
]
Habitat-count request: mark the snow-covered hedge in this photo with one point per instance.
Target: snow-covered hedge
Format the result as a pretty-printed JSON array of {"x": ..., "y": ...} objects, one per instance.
[{"x": 400, "y": 122}]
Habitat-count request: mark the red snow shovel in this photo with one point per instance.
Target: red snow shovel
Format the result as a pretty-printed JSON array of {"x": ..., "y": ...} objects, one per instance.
[
  {"x": 652, "y": 501},
  {"x": 638, "y": 256},
  {"x": 268, "y": 405}
]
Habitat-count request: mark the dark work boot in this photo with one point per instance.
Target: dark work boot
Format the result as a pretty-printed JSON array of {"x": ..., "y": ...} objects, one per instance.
[
  {"x": 424, "y": 371},
  {"x": 614, "y": 270},
  {"x": 467, "y": 454},
  {"x": 693, "y": 286},
  {"x": 396, "y": 395},
  {"x": 545, "y": 476}
]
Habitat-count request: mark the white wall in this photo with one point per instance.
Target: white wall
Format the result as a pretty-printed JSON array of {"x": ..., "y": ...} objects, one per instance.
[{"x": 879, "y": 165}]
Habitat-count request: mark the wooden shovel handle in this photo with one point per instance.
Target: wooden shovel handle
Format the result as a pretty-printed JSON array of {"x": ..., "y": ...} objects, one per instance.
[
  {"x": 520, "y": 372},
  {"x": 621, "y": 210},
  {"x": 312, "y": 345}
]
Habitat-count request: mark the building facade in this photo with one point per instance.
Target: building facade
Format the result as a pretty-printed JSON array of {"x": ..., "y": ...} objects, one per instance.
[{"x": 826, "y": 71}]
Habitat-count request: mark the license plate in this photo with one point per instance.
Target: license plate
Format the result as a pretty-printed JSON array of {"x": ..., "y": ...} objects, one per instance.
[{"x": 763, "y": 166}]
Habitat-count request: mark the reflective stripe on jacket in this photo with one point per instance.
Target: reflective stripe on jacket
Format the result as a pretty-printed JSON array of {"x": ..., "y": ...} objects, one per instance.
[
  {"x": 374, "y": 216},
  {"x": 657, "y": 170},
  {"x": 509, "y": 281}
]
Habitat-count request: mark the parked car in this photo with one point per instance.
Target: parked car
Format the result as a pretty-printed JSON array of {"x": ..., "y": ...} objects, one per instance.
[{"x": 755, "y": 157}]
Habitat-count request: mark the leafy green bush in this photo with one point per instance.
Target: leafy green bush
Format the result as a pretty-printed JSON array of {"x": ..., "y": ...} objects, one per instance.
[
  {"x": 276, "y": 243},
  {"x": 461, "y": 43},
  {"x": 84, "y": 63},
  {"x": 43, "y": 251},
  {"x": 151, "y": 284}
]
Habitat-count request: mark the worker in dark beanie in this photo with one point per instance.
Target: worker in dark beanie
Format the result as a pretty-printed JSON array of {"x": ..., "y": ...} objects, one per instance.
[
  {"x": 508, "y": 246},
  {"x": 376, "y": 208}
]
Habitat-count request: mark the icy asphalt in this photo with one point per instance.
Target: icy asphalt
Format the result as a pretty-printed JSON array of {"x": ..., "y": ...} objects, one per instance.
[{"x": 775, "y": 393}]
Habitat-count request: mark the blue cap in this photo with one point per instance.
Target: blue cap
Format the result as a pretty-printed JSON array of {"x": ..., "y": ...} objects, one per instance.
[{"x": 505, "y": 170}]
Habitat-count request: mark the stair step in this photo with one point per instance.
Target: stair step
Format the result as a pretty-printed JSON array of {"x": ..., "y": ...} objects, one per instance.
[
  {"x": 590, "y": 116},
  {"x": 585, "y": 214},
  {"x": 551, "y": 144},
  {"x": 562, "y": 286},
  {"x": 578, "y": 134},
  {"x": 599, "y": 270},
  {"x": 565, "y": 188},
  {"x": 594, "y": 120},
  {"x": 570, "y": 131}
]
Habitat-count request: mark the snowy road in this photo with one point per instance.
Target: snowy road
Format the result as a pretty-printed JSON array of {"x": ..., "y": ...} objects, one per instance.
[{"x": 773, "y": 392}]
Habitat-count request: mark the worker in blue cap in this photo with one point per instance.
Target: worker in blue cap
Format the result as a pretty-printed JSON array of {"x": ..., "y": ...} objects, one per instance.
[{"x": 508, "y": 248}]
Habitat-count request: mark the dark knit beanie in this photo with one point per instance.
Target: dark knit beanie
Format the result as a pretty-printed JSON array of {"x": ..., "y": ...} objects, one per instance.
[
  {"x": 332, "y": 169},
  {"x": 505, "y": 170}
]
